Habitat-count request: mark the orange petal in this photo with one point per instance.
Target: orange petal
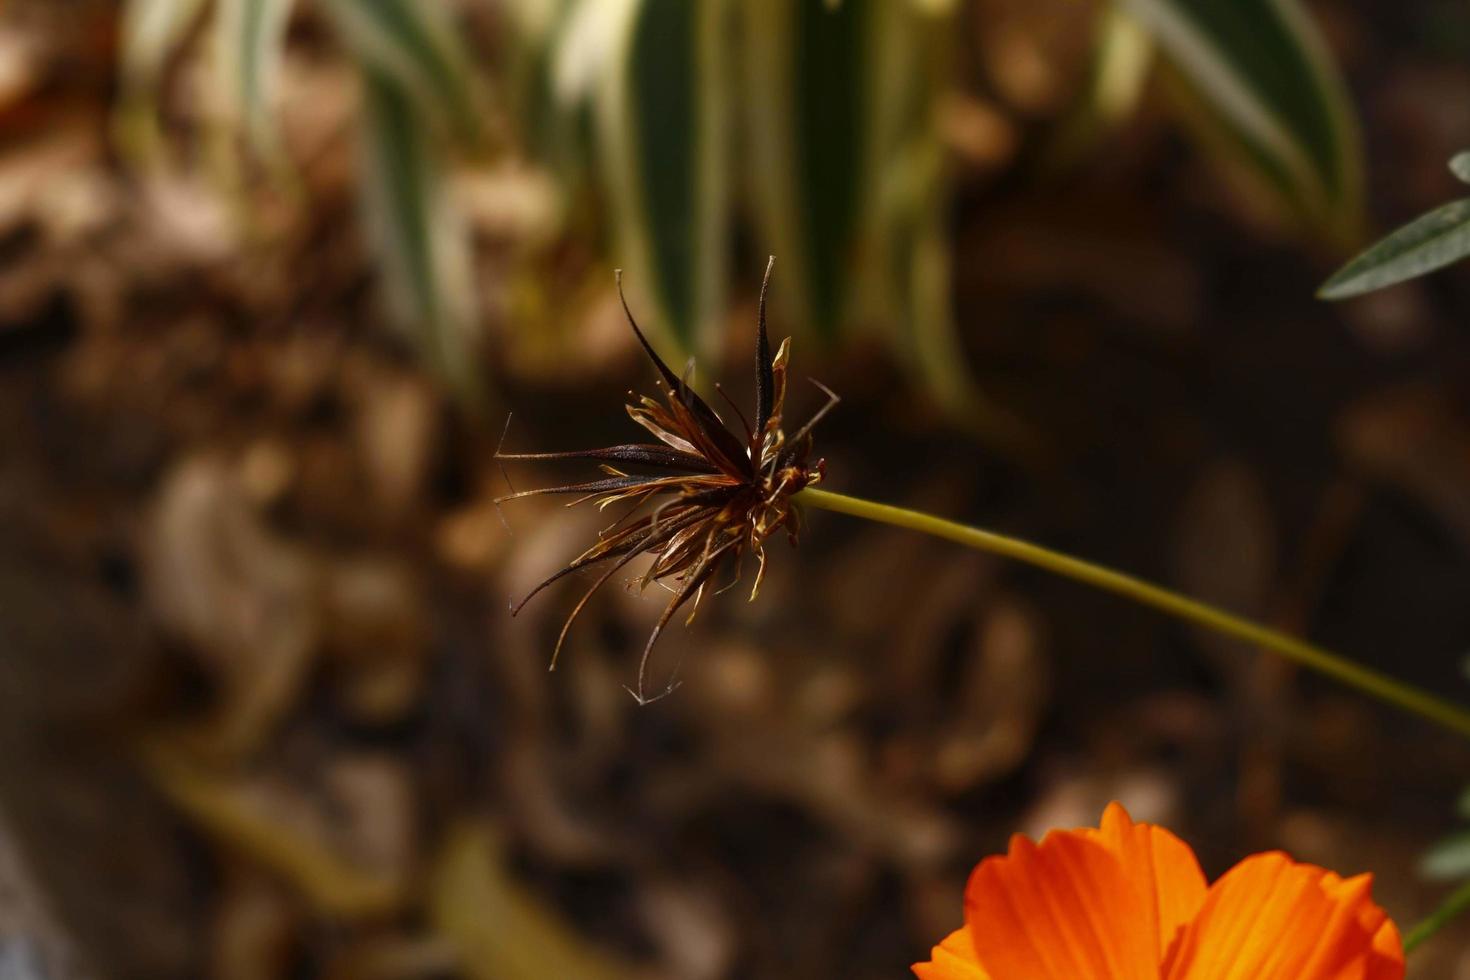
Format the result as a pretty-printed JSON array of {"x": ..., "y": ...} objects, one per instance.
[
  {"x": 1162, "y": 865},
  {"x": 1065, "y": 909},
  {"x": 1270, "y": 918},
  {"x": 953, "y": 959}
]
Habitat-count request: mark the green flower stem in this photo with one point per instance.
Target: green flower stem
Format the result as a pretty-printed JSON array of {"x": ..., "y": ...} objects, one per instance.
[
  {"x": 1452, "y": 908},
  {"x": 1368, "y": 681}
]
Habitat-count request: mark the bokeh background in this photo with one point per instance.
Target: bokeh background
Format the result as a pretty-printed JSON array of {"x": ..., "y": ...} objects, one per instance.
[{"x": 272, "y": 276}]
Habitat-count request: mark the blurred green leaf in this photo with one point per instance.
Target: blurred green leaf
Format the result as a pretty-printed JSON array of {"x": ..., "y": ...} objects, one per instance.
[
  {"x": 151, "y": 32},
  {"x": 1263, "y": 67},
  {"x": 907, "y": 209},
  {"x": 500, "y": 931},
  {"x": 1429, "y": 242},
  {"x": 414, "y": 44},
  {"x": 1450, "y": 858},
  {"x": 663, "y": 117},
  {"x": 1460, "y": 166},
  {"x": 241, "y": 812},
  {"x": 809, "y": 84},
  {"x": 556, "y": 46},
  {"x": 250, "y": 37},
  {"x": 1122, "y": 56},
  {"x": 1462, "y": 805},
  {"x": 422, "y": 244}
]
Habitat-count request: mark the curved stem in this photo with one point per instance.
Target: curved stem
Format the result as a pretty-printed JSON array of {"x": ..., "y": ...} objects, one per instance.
[
  {"x": 1369, "y": 681},
  {"x": 1453, "y": 907}
]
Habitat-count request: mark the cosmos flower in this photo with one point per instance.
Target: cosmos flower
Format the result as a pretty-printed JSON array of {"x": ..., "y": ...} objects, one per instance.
[
  {"x": 1128, "y": 902},
  {"x": 710, "y": 496}
]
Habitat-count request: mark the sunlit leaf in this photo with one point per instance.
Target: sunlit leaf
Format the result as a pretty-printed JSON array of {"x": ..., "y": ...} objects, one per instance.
[
  {"x": 151, "y": 32},
  {"x": 421, "y": 240},
  {"x": 663, "y": 117},
  {"x": 1122, "y": 56},
  {"x": 1429, "y": 242},
  {"x": 1450, "y": 858},
  {"x": 1262, "y": 65}
]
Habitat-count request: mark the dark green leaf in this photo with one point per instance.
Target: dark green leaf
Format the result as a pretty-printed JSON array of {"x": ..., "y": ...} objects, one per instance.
[
  {"x": 1262, "y": 65},
  {"x": 663, "y": 116}
]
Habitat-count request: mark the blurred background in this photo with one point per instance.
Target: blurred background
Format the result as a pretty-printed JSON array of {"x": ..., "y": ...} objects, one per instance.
[{"x": 273, "y": 274}]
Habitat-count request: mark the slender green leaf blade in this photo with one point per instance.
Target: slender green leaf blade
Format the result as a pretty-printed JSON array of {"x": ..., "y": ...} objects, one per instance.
[
  {"x": 1263, "y": 66},
  {"x": 1448, "y": 911},
  {"x": 913, "y": 48},
  {"x": 1122, "y": 58},
  {"x": 663, "y": 116},
  {"x": 414, "y": 43},
  {"x": 250, "y": 37},
  {"x": 831, "y": 71},
  {"x": 1429, "y": 242},
  {"x": 422, "y": 245},
  {"x": 556, "y": 47},
  {"x": 809, "y": 92}
]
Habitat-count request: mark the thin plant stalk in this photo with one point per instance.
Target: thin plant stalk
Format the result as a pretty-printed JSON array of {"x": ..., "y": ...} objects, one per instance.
[
  {"x": 1364, "y": 679},
  {"x": 1452, "y": 908}
]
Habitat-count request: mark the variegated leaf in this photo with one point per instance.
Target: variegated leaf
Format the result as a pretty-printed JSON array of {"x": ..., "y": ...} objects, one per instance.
[
  {"x": 1263, "y": 67},
  {"x": 250, "y": 37},
  {"x": 414, "y": 43},
  {"x": 810, "y": 81},
  {"x": 422, "y": 243},
  {"x": 662, "y": 121}
]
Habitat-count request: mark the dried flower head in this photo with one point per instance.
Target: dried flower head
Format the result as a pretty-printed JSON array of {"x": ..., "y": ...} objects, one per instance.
[{"x": 711, "y": 498}]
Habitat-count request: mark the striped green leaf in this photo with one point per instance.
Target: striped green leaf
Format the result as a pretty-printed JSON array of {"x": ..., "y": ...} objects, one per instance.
[
  {"x": 662, "y": 120},
  {"x": 249, "y": 42},
  {"x": 1263, "y": 67},
  {"x": 413, "y": 43},
  {"x": 810, "y": 85},
  {"x": 555, "y": 47},
  {"x": 1429, "y": 242},
  {"x": 422, "y": 245},
  {"x": 911, "y": 284}
]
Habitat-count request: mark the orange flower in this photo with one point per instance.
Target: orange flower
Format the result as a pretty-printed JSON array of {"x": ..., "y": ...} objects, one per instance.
[{"x": 1128, "y": 902}]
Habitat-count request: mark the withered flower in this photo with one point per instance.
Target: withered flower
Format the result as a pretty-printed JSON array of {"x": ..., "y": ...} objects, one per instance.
[{"x": 711, "y": 498}]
